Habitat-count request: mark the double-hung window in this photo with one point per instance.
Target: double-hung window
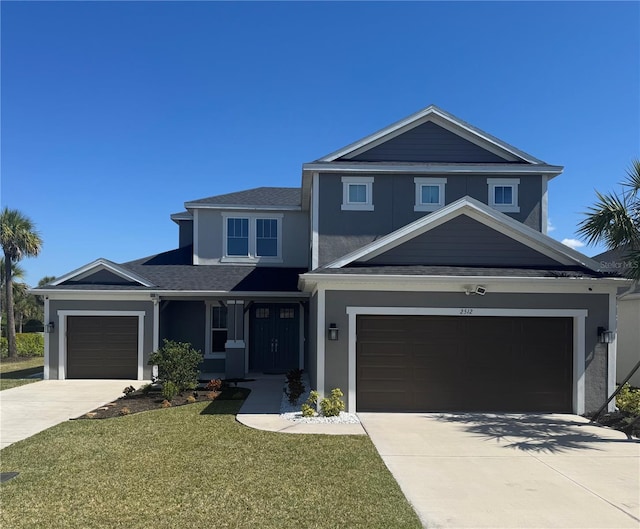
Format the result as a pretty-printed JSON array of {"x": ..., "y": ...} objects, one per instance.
[
  {"x": 357, "y": 193},
  {"x": 503, "y": 194},
  {"x": 252, "y": 238},
  {"x": 429, "y": 193},
  {"x": 218, "y": 329}
]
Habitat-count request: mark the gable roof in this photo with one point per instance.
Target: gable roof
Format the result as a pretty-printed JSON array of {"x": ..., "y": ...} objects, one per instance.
[
  {"x": 442, "y": 118},
  {"x": 481, "y": 213},
  {"x": 258, "y": 198},
  {"x": 102, "y": 264}
]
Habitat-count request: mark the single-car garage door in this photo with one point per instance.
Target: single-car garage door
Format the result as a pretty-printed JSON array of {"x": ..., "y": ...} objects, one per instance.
[
  {"x": 463, "y": 363},
  {"x": 102, "y": 347}
]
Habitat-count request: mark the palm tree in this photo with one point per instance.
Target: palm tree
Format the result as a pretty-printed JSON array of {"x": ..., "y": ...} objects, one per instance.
[
  {"x": 18, "y": 239},
  {"x": 614, "y": 220}
]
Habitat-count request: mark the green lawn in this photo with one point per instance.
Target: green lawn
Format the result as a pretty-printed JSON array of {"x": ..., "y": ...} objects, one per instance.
[
  {"x": 195, "y": 466},
  {"x": 13, "y": 373}
]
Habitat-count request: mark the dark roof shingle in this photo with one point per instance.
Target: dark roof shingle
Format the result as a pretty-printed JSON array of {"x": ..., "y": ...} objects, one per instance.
[{"x": 259, "y": 196}]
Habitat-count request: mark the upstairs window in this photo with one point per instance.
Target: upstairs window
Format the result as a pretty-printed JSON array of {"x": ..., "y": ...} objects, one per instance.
[
  {"x": 252, "y": 238},
  {"x": 503, "y": 194},
  {"x": 357, "y": 193},
  {"x": 429, "y": 193}
]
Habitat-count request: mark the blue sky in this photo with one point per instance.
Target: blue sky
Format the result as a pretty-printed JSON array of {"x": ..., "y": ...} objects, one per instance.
[{"x": 115, "y": 113}]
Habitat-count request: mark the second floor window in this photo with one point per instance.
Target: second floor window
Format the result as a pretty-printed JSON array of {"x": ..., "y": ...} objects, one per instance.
[
  {"x": 429, "y": 193},
  {"x": 357, "y": 193},
  {"x": 503, "y": 194},
  {"x": 252, "y": 238}
]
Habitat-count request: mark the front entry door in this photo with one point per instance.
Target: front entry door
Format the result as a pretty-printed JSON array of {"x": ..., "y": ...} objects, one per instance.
[{"x": 274, "y": 343}]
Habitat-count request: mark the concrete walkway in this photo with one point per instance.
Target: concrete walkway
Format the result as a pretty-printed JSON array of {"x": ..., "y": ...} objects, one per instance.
[
  {"x": 507, "y": 471},
  {"x": 261, "y": 411},
  {"x": 29, "y": 409}
]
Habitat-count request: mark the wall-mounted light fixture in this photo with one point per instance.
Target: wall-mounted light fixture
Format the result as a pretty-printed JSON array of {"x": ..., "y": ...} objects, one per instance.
[
  {"x": 50, "y": 327},
  {"x": 605, "y": 336},
  {"x": 478, "y": 289},
  {"x": 333, "y": 331}
]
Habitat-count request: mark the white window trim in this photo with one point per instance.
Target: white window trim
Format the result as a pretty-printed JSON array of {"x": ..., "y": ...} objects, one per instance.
[
  {"x": 359, "y": 206},
  {"x": 208, "y": 355},
  {"x": 504, "y": 182},
  {"x": 423, "y": 181},
  {"x": 252, "y": 257}
]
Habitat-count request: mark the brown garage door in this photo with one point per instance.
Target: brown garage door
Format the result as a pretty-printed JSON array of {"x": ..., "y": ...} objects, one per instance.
[
  {"x": 459, "y": 363},
  {"x": 102, "y": 347}
]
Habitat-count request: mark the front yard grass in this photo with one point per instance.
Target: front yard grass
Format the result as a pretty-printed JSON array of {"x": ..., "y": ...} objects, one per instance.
[
  {"x": 14, "y": 373},
  {"x": 195, "y": 466}
]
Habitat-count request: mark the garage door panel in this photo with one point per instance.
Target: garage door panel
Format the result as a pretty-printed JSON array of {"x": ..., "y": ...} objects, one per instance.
[
  {"x": 446, "y": 363},
  {"x": 102, "y": 346}
]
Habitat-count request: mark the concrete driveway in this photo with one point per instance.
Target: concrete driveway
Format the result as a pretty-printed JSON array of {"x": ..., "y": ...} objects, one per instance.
[
  {"x": 507, "y": 471},
  {"x": 29, "y": 409}
]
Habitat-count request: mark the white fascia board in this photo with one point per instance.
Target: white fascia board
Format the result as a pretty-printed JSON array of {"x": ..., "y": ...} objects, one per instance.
[
  {"x": 97, "y": 295},
  {"x": 432, "y": 168},
  {"x": 102, "y": 264},
  {"x": 442, "y": 118},
  {"x": 103, "y": 295},
  {"x": 423, "y": 283},
  {"x": 192, "y": 205},
  {"x": 482, "y": 213}
]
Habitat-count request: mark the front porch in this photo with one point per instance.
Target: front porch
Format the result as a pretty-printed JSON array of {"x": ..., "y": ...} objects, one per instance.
[{"x": 239, "y": 336}]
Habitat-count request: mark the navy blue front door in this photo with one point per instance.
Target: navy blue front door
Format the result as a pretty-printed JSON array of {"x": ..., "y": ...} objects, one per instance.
[{"x": 274, "y": 342}]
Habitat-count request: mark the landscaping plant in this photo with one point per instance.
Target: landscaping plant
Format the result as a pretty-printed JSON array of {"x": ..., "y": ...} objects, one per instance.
[
  {"x": 295, "y": 387},
  {"x": 629, "y": 399},
  {"x": 177, "y": 363},
  {"x": 332, "y": 406}
]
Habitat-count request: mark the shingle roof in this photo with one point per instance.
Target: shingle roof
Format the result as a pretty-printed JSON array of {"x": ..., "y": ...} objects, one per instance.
[
  {"x": 461, "y": 271},
  {"x": 260, "y": 196}
]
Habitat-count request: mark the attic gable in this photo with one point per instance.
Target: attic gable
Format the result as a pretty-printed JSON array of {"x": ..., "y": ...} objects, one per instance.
[
  {"x": 480, "y": 213},
  {"x": 431, "y": 136},
  {"x": 102, "y": 272}
]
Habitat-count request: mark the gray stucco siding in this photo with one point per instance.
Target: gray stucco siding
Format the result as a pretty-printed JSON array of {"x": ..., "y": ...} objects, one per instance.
[
  {"x": 185, "y": 233},
  {"x": 183, "y": 321},
  {"x": 341, "y": 232},
  {"x": 89, "y": 306},
  {"x": 336, "y": 352},
  {"x": 428, "y": 143},
  {"x": 463, "y": 241},
  {"x": 209, "y": 246}
]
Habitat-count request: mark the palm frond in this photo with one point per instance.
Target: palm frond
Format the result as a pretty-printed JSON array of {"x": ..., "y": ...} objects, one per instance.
[
  {"x": 633, "y": 177},
  {"x": 610, "y": 221}
]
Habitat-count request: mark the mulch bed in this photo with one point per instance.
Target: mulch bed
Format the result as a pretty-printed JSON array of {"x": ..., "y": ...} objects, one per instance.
[
  {"x": 619, "y": 420},
  {"x": 139, "y": 401}
]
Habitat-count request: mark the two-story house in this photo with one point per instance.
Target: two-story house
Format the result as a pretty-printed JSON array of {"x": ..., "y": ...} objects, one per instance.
[{"x": 412, "y": 269}]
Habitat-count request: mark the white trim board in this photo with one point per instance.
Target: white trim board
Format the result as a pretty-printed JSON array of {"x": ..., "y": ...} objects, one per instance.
[
  {"x": 62, "y": 335},
  {"x": 579, "y": 316},
  {"x": 97, "y": 266}
]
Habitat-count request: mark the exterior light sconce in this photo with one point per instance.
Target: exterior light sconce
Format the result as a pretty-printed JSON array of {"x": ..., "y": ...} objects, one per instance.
[
  {"x": 50, "y": 327},
  {"x": 605, "y": 336},
  {"x": 333, "y": 332}
]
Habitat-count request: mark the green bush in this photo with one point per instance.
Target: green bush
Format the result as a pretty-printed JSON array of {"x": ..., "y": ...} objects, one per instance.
[
  {"x": 178, "y": 363},
  {"x": 332, "y": 406},
  {"x": 629, "y": 399},
  {"x": 169, "y": 390},
  {"x": 309, "y": 408},
  {"x": 27, "y": 344}
]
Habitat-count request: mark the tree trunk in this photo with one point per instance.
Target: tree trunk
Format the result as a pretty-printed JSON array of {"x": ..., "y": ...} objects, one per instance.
[{"x": 11, "y": 324}]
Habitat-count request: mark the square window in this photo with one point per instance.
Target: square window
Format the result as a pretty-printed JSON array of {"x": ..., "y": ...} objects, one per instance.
[
  {"x": 429, "y": 193},
  {"x": 503, "y": 194},
  {"x": 357, "y": 193},
  {"x": 262, "y": 313}
]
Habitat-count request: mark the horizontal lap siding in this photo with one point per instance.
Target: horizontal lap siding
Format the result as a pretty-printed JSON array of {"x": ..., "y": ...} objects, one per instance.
[
  {"x": 439, "y": 363},
  {"x": 102, "y": 346}
]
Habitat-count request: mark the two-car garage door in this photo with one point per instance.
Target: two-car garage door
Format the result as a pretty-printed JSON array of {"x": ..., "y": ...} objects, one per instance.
[
  {"x": 102, "y": 347},
  {"x": 464, "y": 363}
]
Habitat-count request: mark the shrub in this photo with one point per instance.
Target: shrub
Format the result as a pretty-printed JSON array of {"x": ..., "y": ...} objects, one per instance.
[
  {"x": 213, "y": 395},
  {"x": 309, "y": 407},
  {"x": 178, "y": 363},
  {"x": 629, "y": 399},
  {"x": 169, "y": 390},
  {"x": 27, "y": 344},
  {"x": 146, "y": 389},
  {"x": 166, "y": 404},
  {"x": 295, "y": 387},
  {"x": 125, "y": 410},
  {"x": 128, "y": 390},
  {"x": 214, "y": 385},
  {"x": 332, "y": 406},
  {"x": 191, "y": 399}
]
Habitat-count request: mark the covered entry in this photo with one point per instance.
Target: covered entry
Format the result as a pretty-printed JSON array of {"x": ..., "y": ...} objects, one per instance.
[
  {"x": 102, "y": 346},
  {"x": 274, "y": 341},
  {"x": 464, "y": 363}
]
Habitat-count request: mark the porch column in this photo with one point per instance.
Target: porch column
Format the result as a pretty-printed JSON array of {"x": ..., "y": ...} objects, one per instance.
[{"x": 235, "y": 346}]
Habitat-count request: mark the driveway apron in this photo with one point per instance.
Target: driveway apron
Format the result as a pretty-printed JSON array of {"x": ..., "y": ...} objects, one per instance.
[
  {"x": 29, "y": 409},
  {"x": 508, "y": 471}
]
